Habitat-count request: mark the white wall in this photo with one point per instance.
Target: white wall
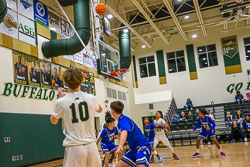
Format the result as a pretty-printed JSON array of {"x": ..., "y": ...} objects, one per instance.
[{"x": 212, "y": 82}]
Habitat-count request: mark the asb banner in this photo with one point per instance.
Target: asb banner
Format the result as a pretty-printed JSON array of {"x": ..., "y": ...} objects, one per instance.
[
  {"x": 26, "y": 30},
  {"x": 9, "y": 24},
  {"x": 40, "y": 13},
  {"x": 25, "y": 7}
]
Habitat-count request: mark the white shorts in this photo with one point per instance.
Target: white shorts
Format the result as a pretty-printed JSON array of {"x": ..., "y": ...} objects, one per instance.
[
  {"x": 164, "y": 141},
  {"x": 82, "y": 156}
]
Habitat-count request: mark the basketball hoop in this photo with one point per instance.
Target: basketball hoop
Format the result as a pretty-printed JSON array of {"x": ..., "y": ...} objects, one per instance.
[{"x": 119, "y": 72}]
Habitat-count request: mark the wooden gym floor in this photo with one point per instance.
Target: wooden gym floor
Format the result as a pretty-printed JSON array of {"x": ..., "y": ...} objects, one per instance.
[{"x": 238, "y": 154}]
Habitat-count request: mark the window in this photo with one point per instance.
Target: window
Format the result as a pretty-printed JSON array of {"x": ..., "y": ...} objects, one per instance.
[
  {"x": 247, "y": 47},
  {"x": 176, "y": 61},
  {"x": 147, "y": 66},
  {"x": 207, "y": 56}
]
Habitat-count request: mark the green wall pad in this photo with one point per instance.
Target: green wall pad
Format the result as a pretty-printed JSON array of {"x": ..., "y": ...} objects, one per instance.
[
  {"x": 191, "y": 62},
  {"x": 32, "y": 139},
  {"x": 135, "y": 73},
  {"x": 161, "y": 67}
]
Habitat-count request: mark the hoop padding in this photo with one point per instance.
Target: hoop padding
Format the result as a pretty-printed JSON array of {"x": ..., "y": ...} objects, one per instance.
[{"x": 119, "y": 71}]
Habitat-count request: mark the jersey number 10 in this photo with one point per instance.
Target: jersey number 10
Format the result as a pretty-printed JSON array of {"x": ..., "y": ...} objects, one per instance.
[{"x": 73, "y": 109}]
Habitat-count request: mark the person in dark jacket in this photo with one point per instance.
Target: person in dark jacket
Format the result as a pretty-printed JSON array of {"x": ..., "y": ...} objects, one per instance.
[
  {"x": 189, "y": 104},
  {"x": 239, "y": 98}
]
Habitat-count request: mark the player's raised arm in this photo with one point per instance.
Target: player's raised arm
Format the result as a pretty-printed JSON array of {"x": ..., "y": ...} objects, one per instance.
[{"x": 122, "y": 141}]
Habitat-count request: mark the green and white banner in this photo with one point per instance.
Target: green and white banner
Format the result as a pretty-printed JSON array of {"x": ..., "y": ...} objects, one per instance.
[
  {"x": 230, "y": 46},
  {"x": 10, "y": 24}
]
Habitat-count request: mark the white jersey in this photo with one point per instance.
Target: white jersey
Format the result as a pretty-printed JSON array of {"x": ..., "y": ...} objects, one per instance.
[
  {"x": 77, "y": 110},
  {"x": 159, "y": 131}
]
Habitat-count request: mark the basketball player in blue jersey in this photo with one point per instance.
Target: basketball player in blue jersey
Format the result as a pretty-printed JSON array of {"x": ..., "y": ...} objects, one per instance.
[
  {"x": 107, "y": 136},
  {"x": 207, "y": 127},
  {"x": 150, "y": 134},
  {"x": 140, "y": 149}
]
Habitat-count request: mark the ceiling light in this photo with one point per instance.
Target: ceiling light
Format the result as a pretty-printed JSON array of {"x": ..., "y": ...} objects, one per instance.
[
  {"x": 179, "y": 0},
  {"x": 204, "y": 58},
  {"x": 110, "y": 16},
  {"x": 125, "y": 30},
  {"x": 186, "y": 17},
  {"x": 248, "y": 51},
  {"x": 143, "y": 46},
  {"x": 194, "y": 36},
  {"x": 103, "y": 54}
]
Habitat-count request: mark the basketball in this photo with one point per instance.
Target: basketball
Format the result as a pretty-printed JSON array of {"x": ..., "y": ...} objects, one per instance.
[
  {"x": 23, "y": 70},
  {"x": 53, "y": 82},
  {"x": 101, "y": 9}
]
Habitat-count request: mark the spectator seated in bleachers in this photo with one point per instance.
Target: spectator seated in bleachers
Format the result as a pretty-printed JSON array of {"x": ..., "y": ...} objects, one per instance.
[
  {"x": 246, "y": 127},
  {"x": 248, "y": 97},
  {"x": 175, "y": 117},
  {"x": 236, "y": 132},
  {"x": 239, "y": 118},
  {"x": 183, "y": 117},
  {"x": 196, "y": 114},
  {"x": 229, "y": 119},
  {"x": 239, "y": 98},
  {"x": 190, "y": 116},
  {"x": 189, "y": 104},
  {"x": 210, "y": 114}
]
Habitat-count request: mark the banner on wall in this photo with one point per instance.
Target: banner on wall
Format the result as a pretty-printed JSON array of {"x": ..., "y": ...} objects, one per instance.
[
  {"x": 25, "y": 7},
  {"x": 56, "y": 76},
  {"x": 54, "y": 21},
  {"x": 78, "y": 58},
  {"x": 12, "y": 4},
  {"x": 34, "y": 71},
  {"x": 66, "y": 30},
  {"x": 9, "y": 24},
  {"x": 248, "y": 73},
  {"x": 20, "y": 68},
  {"x": 46, "y": 81},
  {"x": 40, "y": 13},
  {"x": 26, "y": 30},
  {"x": 230, "y": 46}
]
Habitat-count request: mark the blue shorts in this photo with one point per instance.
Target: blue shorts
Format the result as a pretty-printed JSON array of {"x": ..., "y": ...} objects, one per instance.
[
  {"x": 151, "y": 140},
  {"x": 203, "y": 134},
  {"x": 139, "y": 156},
  {"x": 111, "y": 147}
]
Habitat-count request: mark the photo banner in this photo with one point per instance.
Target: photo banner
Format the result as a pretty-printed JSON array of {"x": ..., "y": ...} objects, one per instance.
[
  {"x": 40, "y": 13},
  {"x": 34, "y": 71},
  {"x": 46, "y": 80},
  {"x": 9, "y": 26},
  {"x": 20, "y": 64}
]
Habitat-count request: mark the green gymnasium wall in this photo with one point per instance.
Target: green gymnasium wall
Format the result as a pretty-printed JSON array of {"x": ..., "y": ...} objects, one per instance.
[{"x": 31, "y": 136}]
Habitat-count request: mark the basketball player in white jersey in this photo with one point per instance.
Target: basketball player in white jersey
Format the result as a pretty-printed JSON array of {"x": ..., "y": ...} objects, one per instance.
[
  {"x": 160, "y": 125},
  {"x": 77, "y": 111}
]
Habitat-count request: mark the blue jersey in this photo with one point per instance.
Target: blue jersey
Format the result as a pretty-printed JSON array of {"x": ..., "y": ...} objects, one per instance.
[
  {"x": 135, "y": 137},
  {"x": 247, "y": 124},
  {"x": 150, "y": 130},
  {"x": 108, "y": 135},
  {"x": 205, "y": 122}
]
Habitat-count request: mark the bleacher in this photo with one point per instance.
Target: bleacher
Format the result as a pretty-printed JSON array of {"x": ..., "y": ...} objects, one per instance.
[{"x": 181, "y": 131}]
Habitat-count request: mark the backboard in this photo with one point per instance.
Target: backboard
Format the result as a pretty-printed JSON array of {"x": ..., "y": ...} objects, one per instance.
[{"x": 109, "y": 60}]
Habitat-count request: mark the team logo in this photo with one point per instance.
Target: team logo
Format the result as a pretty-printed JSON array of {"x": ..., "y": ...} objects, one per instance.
[
  {"x": 40, "y": 9},
  {"x": 26, "y": 4},
  {"x": 9, "y": 24}
]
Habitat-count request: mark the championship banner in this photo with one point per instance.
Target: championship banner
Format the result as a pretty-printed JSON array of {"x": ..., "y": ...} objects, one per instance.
[
  {"x": 46, "y": 80},
  {"x": 20, "y": 68},
  {"x": 12, "y": 4},
  {"x": 231, "y": 55},
  {"x": 26, "y": 30},
  {"x": 34, "y": 71},
  {"x": 54, "y": 21},
  {"x": 9, "y": 24},
  {"x": 230, "y": 46},
  {"x": 56, "y": 76},
  {"x": 25, "y": 7},
  {"x": 40, "y": 13}
]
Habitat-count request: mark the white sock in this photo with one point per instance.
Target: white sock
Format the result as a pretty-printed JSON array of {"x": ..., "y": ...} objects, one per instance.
[
  {"x": 221, "y": 150},
  {"x": 198, "y": 150}
]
